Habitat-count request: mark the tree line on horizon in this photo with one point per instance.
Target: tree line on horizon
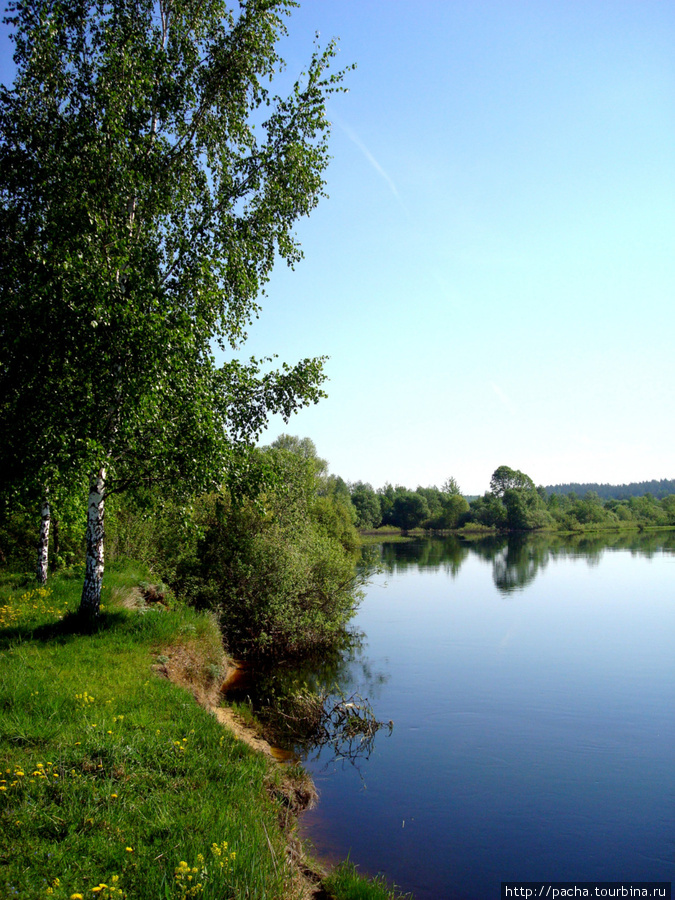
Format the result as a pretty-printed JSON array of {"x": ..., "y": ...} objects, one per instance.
[
  {"x": 512, "y": 503},
  {"x": 657, "y": 488}
]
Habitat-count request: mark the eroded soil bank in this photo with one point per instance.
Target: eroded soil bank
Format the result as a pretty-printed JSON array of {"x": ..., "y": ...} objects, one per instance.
[{"x": 289, "y": 784}]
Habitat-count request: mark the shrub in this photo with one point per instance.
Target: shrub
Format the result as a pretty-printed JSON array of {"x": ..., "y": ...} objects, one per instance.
[{"x": 279, "y": 571}]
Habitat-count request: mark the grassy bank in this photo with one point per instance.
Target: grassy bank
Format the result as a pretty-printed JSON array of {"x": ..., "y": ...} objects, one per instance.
[
  {"x": 114, "y": 780},
  {"x": 390, "y": 534},
  {"x": 472, "y": 531}
]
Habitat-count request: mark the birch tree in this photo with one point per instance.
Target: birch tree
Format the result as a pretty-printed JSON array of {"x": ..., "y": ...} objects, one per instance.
[{"x": 149, "y": 179}]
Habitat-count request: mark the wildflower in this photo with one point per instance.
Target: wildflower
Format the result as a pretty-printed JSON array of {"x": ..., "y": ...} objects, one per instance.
[
  {"x": 129, "y": 849},
  {"x": 113, "y": 796},
  {"x": 76, "y": 897}
]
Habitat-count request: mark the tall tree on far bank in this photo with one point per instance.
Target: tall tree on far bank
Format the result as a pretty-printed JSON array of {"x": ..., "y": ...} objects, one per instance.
[
  {"x": 504, "y": 478},
  {"x": 149, "y": 180}
]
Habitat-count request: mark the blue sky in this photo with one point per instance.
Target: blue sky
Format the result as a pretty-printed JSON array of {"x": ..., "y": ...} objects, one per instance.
[{"x": 493, "y": 273}]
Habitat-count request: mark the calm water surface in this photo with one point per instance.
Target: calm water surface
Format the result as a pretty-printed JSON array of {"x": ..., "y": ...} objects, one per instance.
[{"x": 532, "y": 687}]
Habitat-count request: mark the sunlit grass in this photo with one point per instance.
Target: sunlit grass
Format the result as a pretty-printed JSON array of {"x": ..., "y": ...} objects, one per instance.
[
  {"x": 345, "y": 883},
  {"x": 114, "y": 782}
]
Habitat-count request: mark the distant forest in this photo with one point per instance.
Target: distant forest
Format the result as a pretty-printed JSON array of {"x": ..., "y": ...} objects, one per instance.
[
  {"x": 658, "y": 489},
  {"x": 512, "y": 503}
]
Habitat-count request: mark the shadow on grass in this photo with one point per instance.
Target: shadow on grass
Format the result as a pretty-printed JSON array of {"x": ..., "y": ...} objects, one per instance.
[{"x": 71, "y": 626}]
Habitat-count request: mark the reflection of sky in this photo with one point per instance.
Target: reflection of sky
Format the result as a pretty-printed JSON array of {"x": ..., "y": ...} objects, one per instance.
[{"x": 533, "y": 731}]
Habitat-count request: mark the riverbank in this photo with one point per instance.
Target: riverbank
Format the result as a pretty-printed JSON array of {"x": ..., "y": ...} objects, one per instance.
[
  {"x": 473, "y": 531},
  {"x": 119, "y": 778}
]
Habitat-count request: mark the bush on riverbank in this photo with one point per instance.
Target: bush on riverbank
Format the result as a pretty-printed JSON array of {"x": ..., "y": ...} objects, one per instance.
[{"x": 279, "y": 571}]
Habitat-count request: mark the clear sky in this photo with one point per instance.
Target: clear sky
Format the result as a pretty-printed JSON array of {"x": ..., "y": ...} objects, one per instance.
[{"x": 493, "y": 275}]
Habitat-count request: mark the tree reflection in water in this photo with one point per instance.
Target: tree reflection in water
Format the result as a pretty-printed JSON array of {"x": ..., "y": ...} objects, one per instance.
[
  {"x": 304, "y": 705},
  {"x": 517, "y": 558}
]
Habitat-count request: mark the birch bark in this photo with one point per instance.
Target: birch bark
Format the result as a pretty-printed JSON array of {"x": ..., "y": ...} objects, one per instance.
[
  {"x": 90, "y": 603},
  {"x": 43, "y": 545}
]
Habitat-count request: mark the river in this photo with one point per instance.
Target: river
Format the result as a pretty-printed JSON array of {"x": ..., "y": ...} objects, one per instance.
[{"x": 531, "y": 683}]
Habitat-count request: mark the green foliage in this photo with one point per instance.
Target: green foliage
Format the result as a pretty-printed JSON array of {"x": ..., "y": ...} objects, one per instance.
[
  {"x": 280, "y": 572},
  {"x": 525, "y": 510},
  {"x": 410, "y": 509},
  {"x": 505, "y": 478},
  {"x": 150, "y": 179},
  {"x": 367, "y": 505},
  {"x": 659, "y": 489},
  {"x": 453, "y": 510},
  {"x": 19, "y": 518},
  {"x": 488, "y": 510}
]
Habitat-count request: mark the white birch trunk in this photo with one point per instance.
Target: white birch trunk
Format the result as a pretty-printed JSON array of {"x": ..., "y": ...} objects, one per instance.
[
  {"x": 90, "y": 603},
  {"x": 43, "y": 545}
]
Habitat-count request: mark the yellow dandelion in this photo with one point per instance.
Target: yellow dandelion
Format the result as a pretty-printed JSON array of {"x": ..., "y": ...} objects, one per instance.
[
  {"x": 76, "y": 897},
  {"x": 129, "y": 849}
]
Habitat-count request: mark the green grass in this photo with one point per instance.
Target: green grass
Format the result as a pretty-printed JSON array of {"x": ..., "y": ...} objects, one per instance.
[
  {"x": 345, "y": 883},
  {"x": 112, "y": 775},
  {"x": 389, "y": 534},
  {"x": 114, "y": 782}
]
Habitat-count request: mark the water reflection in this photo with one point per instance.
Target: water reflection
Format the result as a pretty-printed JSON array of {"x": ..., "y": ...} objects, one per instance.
[
  {"x": 532, "y": 736},
  {"x": 324, "y": 681},
  {"x": 515, "y": 559},
  {"x": 305, "y": 706}
]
